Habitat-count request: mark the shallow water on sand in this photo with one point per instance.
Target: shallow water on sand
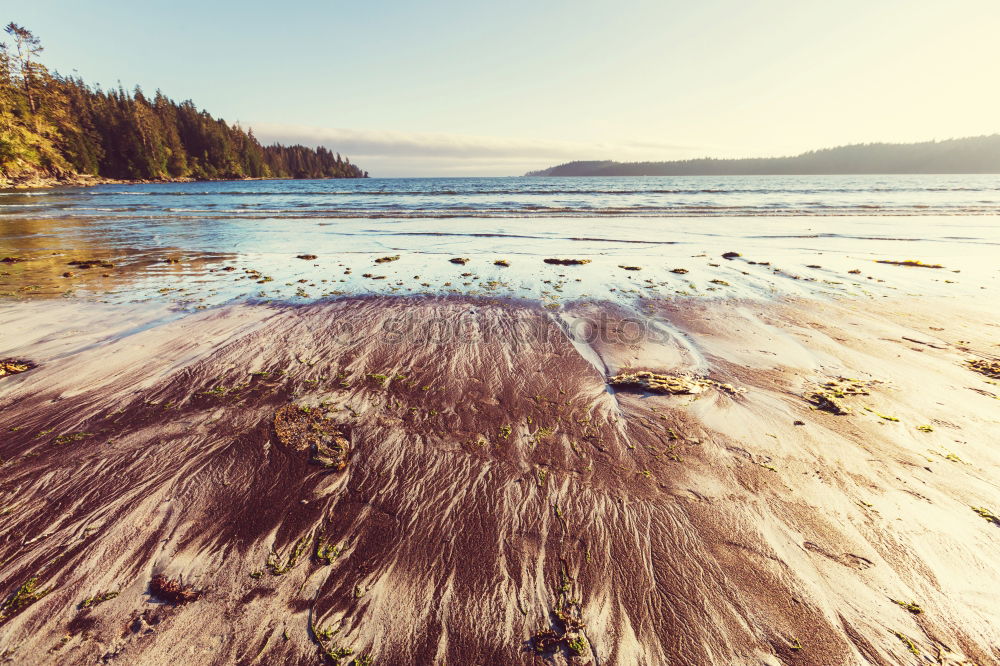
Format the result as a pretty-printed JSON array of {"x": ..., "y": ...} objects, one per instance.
[{"x": 207, "y": 243}]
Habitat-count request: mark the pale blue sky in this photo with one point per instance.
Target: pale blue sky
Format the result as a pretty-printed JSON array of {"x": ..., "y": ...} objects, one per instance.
[{"x": 465, "y": 87}]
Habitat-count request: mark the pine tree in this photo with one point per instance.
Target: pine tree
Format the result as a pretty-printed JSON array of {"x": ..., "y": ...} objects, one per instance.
[
  {"x": 57, "y": 126},
  {"x": 28, "y": 48}
]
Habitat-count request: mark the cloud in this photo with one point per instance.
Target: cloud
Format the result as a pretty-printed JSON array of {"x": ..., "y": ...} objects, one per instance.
[{"x": 393, "y": 153}]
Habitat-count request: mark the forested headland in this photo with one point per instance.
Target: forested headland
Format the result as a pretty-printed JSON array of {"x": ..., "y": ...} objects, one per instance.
[
  {"x": 979, "y": 154},
  {"x": 56, "y": 128}
]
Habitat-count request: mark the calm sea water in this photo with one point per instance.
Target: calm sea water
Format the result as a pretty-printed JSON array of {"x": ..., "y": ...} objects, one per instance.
[
  {"x": 524, "y": 197},
  {"x": 205, "y": 236}
]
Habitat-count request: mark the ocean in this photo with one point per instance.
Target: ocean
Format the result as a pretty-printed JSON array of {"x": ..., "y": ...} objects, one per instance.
[
  {"x": 694, "y": 196},
  {"x": 189, "y": 233}
]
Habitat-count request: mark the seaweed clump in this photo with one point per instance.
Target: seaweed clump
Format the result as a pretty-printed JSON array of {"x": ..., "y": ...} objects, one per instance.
[
  {"x": 830, "y": 396},
  {"x": 274, "y": 559},
  {"x": 982, "y": 366},
  {"x": 907, "y": 642},
  {"x": 566, "y": 635},
  {"x": 13, "y": 366},
  {"x": 335, "y": 654},
  {"x": 908, "y": 262},
  {"x": 22, "y": 597},
  {"x": 90, "y": 263},
  {"x": 97, "y": 599},
  {"x": 307, "y": 257},
  {"x": 987, "y": 515},
  {"x": 172, "y": 590},
  {"x": 911, "y": 606},
  {"x": 325, "y": 552},
  {"x": 566, "y": 631},
  {"x": 303, "y": 428},
  {"x": 567, "y": 262},
  {"x": 656, "y": 383},
  {"x": 461, "y": 261}
]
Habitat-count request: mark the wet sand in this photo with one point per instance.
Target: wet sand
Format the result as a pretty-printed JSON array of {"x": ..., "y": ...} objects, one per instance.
[
  {"x": 501, "y": 503},
  {"x": 237, "y": 428}
]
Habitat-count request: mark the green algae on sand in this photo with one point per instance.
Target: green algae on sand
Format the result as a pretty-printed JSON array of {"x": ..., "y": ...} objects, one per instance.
[
  {"x": 908, "y": 262},
  {"x": 830, "y": 396}
]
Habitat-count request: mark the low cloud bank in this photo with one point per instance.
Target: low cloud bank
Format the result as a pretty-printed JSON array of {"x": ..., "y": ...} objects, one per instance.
[{"x": 387, "y": 153}]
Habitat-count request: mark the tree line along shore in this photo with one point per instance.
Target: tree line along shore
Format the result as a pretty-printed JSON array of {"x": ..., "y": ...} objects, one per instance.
[{"x": 57, "y": 129}]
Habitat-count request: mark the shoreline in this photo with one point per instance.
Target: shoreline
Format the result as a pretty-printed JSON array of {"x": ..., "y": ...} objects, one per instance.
[
  {"x": 84, "y": 180},
  {"x": 89, "y": 262},
  {"x": 493, "y": 473}
]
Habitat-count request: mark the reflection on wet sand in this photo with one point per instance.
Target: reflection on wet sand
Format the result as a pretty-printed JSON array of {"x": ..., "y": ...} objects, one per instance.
[
  {"x": 215, "y": 263},
  {"x": 47, "y": 258}
]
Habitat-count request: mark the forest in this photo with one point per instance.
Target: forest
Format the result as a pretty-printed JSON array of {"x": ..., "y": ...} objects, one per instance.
[
  {"x": 60, "y": 129},
  {"x": 969, "y": 155}
]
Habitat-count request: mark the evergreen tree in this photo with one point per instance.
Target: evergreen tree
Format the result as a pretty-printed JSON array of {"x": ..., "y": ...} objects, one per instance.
[
  {"x": 55, "y": 126},
  {"x": 28, "y": 47}
]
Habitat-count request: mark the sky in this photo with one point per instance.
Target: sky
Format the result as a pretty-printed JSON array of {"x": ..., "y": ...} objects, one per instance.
[{"x": 467, "y": 87}]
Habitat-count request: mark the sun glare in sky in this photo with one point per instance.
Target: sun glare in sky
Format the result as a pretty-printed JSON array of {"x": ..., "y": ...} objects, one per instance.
[{"x": 456, "y": 87}]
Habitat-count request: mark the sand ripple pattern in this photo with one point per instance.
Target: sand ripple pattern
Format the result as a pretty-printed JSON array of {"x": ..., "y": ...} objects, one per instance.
[{"x": 486, "y": 482}]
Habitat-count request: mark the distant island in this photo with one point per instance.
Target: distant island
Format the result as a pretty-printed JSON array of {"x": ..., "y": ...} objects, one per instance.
[
  {"x": 979, "y": 154},
  {"x": 59, "y": 130}
]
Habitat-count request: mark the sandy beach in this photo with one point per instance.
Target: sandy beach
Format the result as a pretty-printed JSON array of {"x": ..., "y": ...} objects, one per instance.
[
  {"x": 500, "y": 501},
  {"x": 479, "y": 334},
  {"x": 597, "y": 441}
]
